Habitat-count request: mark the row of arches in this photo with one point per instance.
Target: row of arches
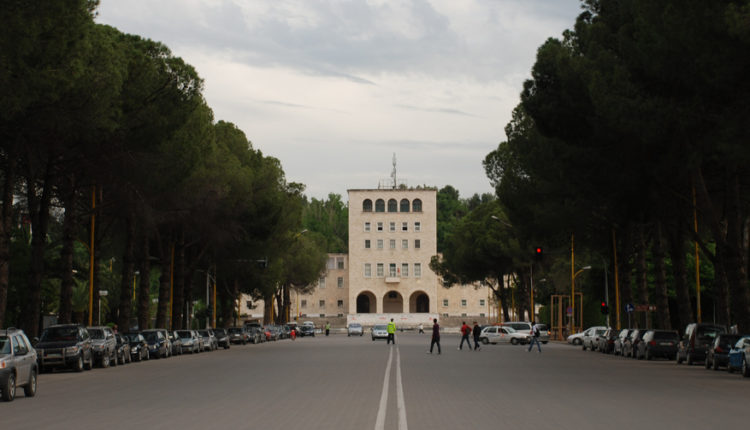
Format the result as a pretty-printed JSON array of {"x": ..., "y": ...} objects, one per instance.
[
  {"x": 392, "y": 303},
  {"x": 393, "y": 206}
]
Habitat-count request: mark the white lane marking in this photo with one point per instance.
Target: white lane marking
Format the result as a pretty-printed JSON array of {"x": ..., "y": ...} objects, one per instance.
[
  {"x": 400, "y": 394},
  {"x": 380, "y": 421}
]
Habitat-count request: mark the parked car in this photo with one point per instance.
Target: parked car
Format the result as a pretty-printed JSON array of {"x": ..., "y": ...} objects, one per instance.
[
  {"x": 591, "y": 338},
  {"x": 502, "y": 334},
  {"x": 658, "y": 343},
  {"x": 606, "y": 343},
  {"x": 718, "y": 352},
  {"x": 238, "y": 335},
  {"x": 307, "y": 330},
  {"x": 207, "y": 344},
  {"x": 165, "y": 334},
  {"x": 65, "y": 345},
  {"x": 18, "y": 364},
  {"x": 123, "y": 349},
  {"x": 355, "y": 329},
  {"x": 577, "y": 338},
  {"x": 222, "y": 338},
  {"x": 630, "y": 345},
  {"x": 271, "y": 332},
  {"x": 138, "y": 346},
  {"x": 189, "y": 340},
  {"x": 256, "y": 334},
  {"x": 739, "y": 356},
  {"x": 158, "y": 346},
  {"x": 379, "y": 331},
  {"x": 175, "y": 343},
  {"x": 525, "y": 327},
  {"x": 694, "y": 344},
  {"x": 620, "y": 341},
  {"x": 104, "y": 345}
]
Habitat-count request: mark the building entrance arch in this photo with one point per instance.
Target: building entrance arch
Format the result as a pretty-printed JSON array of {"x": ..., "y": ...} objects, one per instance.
[
  {"x": 419, "y": 302},
  {"x": 393, "y": 303},
  {"x": 366, "y": 303}
]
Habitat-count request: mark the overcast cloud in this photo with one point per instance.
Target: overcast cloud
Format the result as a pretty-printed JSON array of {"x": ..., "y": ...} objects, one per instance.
[{"x": 334, "y": 88}]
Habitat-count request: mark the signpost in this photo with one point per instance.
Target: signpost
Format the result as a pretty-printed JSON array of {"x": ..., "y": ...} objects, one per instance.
[{"x": 629, "y": 309}]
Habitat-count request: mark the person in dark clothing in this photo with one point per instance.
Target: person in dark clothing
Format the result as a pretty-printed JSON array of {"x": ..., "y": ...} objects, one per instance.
[
  {"x": 435, "y": 336},
  {"x": 476, "y": 331},
  {"x": 465, "y": 332}
]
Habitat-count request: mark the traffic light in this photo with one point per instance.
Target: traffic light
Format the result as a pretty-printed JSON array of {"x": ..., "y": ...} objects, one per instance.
[
  {"x": 605, "y": 308},
  {"x": 538, "y": 252}
]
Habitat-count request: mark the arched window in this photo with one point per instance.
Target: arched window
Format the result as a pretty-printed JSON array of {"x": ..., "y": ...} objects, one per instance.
[
  {"x": 379, "y": 205},
  {"x": 367, "y": 205},
  {"x": 416, "y": 205},
  {"x": 404, "y": 205},
  {"x": 392, "y": 205}
]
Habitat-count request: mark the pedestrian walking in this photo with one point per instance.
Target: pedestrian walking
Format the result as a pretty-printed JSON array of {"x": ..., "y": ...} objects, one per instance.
[
  {"x": 421, "y": 328},
  {"x": 476, "y": 331},
  {"x": 465, "y": 332},
  {"x": 391, "y": 332},
  {"x": 535, "y": 338},
  {"x": 328, "y": 328},
  {"x": 435, "y": 336}
]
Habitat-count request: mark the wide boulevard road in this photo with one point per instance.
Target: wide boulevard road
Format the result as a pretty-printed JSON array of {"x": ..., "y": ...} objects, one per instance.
[{"x": 339, "y": 382}]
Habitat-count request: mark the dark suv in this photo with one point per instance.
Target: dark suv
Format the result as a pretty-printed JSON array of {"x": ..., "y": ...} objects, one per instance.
[
  {"x": 104, "y": 345},
  {"x": 694, "y": 344},
  {"x": 65, "y": 345},
  {"x": 18, "y": 366}
]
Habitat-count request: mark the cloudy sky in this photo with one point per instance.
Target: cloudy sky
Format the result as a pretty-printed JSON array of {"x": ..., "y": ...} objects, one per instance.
[{"x": 333, "y": 88}]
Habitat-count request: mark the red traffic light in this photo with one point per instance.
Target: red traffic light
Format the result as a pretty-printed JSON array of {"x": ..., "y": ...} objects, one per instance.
[{"x": 539, "y": 251}]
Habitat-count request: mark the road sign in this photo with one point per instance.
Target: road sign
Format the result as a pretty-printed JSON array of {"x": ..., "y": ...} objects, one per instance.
[
  {"x": 103, "y": 292},
  {"x": 645, "y": 308},
  {"x": 629, "y": 308},
  {"x": 569, "y": 311}
]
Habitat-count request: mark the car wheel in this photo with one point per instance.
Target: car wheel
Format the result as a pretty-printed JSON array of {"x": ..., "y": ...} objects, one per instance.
[
  {"x": 29, "y": 390},
  {"x": 678, "y": 358},
  {"x": 105, "y": 361},
  {"x": 715, "y": 364},
  {"x": 114, "y": 360},
  {"x": 577, "y": 341},
  {"x": 485, "y": 340},
  {"x": 648, "y": 355},
  {"x": 745, "y": 369},
  {"x": 78, "y": 366},
  {"x": 514, "y": 341},
  {"x": 89, "y": 364},
  {"x": 706, "y": 363},
  {"x": 689, "y": 359},
  {"x": 584, "y": 346},
  {"x": 9, "y": 388}
]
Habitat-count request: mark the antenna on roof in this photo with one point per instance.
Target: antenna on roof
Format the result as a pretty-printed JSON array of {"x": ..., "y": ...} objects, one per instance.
[{"x": 393, "y": 173}]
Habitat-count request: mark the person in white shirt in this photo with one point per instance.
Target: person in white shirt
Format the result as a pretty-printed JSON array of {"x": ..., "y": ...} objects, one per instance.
[{"x": 535, "y": 333}]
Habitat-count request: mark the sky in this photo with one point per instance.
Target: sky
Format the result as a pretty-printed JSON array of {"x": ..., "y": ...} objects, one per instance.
[{"x": 335, "y": 88}]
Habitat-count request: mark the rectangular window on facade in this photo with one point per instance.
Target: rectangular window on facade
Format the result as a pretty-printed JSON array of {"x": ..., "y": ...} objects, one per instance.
[
  {"x": 404, "y": 269},
  {"x": 340, "y": 263},
  {"x": 481, "y": 315},
  {"x": 367, "y": 243},
  {"x": 368, "y": 270},
  {"x": 392, "y": 226},
  {"x": 380, "y": 243},
  {"x": 417, "y": 244},
  {"x": 367, "y": 226},
  {"x": 417, "y": 226},
  {"x": 340, "y": 304},
  {"x": 404, "y": 226},
  {"x": 464, "y": 314},
  {"x": 380, "y": 270},
  {"x": 463, "y": 303},
  {"x": 322, "y": 282},
  {"x": 417, "y": 270},
  {"x": 380, "y": 226},
  {"x": 322, "y": 304},
  {"x": 405, "y": 243},
  {"x": 445, "y": 303},
  {"x": 392, "y": 269},
  {"x": 392, "y": 243},
  {"x": 331, "y": 263},
  {"x": 340, "y": 282},
  {"x": 303, "y": 303},
  {"x": 481, "y": 302}
]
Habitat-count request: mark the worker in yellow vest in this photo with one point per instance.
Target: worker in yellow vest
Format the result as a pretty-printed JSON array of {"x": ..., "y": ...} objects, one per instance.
[{"x": 391, "y": 332}]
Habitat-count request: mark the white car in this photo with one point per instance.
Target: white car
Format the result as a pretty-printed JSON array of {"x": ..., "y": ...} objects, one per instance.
[
  {"x": 380, "y": 331},
  {"x": 354, "y": 329},
  {"x": 591, "y": 337},
  {"x": 501, "y": 334}
]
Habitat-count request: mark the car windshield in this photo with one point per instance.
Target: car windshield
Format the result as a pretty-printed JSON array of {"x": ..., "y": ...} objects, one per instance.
[
  {"x": 220, "y": 332},
  {"x": 151, "y": 336},
  {"x": 599, "y": 332},
  {"x": 96, "y": 333},
  {"x": 666, "y": 335},
  {"x": 355, "y": 325},
  {"x": 133, "y": 337},
  {"x": 184, "y": 334},
  {"x": 235, "y": 331},
  {"x": 379, "y": 327},
  {"x": 510, "y": 329},
  {"x": 710, "y": 331},
  {"x": 741, "y": 342},
  {"x": 4, "y": 345},
  {"x": 203, "y": 333},
  {"x": 542, "y": 327},
  {"x": 57, "y": 334}
]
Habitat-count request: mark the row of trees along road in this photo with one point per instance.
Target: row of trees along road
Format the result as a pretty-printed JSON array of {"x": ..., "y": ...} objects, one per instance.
[
  {"x": 107, "y": 145},
  {"x": 631, "y": 136}
]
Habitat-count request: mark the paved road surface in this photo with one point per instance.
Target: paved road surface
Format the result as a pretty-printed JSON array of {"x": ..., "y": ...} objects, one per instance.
[{"x": 342, "y": 383}]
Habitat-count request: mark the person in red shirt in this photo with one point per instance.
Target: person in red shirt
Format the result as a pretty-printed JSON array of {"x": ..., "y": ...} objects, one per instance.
[{"x": 465, "y": 332}]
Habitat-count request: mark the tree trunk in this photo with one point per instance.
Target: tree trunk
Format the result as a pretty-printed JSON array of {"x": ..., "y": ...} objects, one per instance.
[
  {"x": 721, "y": 284},
  {"x": 641, "y": 270},
  {"x": 660, "y": 294},
  {"x": 38, "y": 207},
  {"x": 65, "y": 312},
  {"x": 162, "y": 311},
  {"x": 178, "y": 298},
  {"x": 5, "y": 232},
  {"x": 625, "y": 268},
  {"x": 679, "y": 267},
  {"x": 144, "y": 286},
  {"x": 503, "y": 300},
  {"x": 267, "y": 309},
  {"x": 128, "y": 275},
  {"x": 187, "y": 289}
]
